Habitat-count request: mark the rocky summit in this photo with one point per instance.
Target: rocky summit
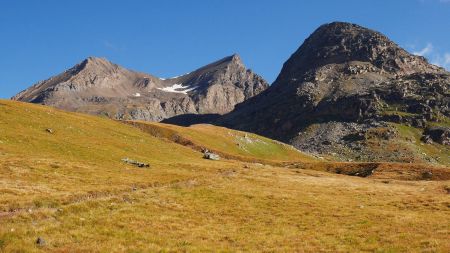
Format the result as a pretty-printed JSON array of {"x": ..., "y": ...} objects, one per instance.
[
  {"x": 97, "y": 86},
  {"x": 350, "y": 93}
]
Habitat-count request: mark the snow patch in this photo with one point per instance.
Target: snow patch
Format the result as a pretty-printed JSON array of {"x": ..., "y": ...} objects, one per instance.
[{"x": 178, "y": 88}]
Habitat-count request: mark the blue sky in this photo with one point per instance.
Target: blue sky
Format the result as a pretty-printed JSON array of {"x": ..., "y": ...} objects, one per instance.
[{"x": 167, "y": 38}]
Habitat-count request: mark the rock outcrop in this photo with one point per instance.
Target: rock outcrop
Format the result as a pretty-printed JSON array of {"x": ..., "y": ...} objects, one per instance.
[
  {"x": 97, "y": 86},
  {"x": 348, "y": 87}
]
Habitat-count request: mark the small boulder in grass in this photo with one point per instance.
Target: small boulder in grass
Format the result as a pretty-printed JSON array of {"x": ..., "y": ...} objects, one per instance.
[
  {"x": 210, "y": 155},
  {"x": 427, "y": 175},
  {"x": 136, "y": 163},
  {"x": 40, "y": 242}
]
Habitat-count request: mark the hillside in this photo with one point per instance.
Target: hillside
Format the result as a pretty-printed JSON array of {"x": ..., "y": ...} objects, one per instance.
[
  {"x": 62, "y": 180},
  {"x": 227, "y": 143},
  {"x": 351, "y": 93}
]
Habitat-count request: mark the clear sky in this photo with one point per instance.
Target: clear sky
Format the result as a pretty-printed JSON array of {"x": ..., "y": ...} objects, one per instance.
[{"x": 42, "y": 38}]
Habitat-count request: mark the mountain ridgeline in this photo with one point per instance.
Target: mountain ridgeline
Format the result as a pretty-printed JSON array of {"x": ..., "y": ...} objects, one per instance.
[
  {"x": 349, "y": 92},
  {"x": 97, "y": 86}
]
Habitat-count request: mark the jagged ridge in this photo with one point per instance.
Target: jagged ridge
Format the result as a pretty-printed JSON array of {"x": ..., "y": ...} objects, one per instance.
[{"x": 98, "y": 86}]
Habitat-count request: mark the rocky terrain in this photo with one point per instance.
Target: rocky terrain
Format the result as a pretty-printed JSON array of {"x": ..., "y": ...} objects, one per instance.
[
  {"x": 350, "y": 93},
  {"x": 97, "y": 86}
]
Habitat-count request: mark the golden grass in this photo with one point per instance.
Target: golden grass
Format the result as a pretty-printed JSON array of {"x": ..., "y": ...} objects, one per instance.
[
  {"x": 228, "y": 143},
  {"x": 71, "y": 189}
]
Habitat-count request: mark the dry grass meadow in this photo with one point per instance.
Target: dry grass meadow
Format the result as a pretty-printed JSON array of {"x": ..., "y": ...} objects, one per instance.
[{"x": 71, "y": 189}]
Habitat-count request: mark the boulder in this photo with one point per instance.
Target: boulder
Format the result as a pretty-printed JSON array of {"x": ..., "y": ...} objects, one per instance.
[
  {"x": 136, "y": 163},
  {"x": 40, "y": 241},
  {"x": 210, "y": 155}
]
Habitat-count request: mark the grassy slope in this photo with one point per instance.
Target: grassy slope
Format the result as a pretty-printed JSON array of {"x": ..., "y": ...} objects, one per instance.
[
  {"x": 410, "y": 137},
  {"x": 71, "y": 188},
  {"x": 229, "y": 143}
]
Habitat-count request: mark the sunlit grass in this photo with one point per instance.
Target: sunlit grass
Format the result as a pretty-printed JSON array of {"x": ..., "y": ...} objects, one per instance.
[{"x": 71, "y": 189}]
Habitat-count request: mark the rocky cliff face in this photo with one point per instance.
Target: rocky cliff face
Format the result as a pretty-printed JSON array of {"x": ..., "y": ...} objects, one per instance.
[
  {"x": 351, "y": 93},
  {"x": 97, "y": 86}
]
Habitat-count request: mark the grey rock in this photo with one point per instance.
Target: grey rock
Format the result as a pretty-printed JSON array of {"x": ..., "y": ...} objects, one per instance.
[
  {"x": 136, "y": 163},
  {"x": 426, "y": 139},
  {"x": 210, "y": 155},
  {"x": 40, "y": 242}
]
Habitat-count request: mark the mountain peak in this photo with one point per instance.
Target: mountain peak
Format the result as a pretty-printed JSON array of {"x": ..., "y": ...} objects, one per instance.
[
  {"x": 234, "y": 58},
  {"x": 95, "y": 59},
  {"x": 97, "y": 86},
  {"x": 342, "y": 85},
  {"x": 93, "y": 64},
  {"x": 341, "y": 42}
]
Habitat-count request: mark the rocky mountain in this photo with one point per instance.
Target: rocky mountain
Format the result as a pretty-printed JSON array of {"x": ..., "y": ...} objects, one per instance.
[
  {"x": 351, "y": 93},
  {"x": 97, "y": 86}
]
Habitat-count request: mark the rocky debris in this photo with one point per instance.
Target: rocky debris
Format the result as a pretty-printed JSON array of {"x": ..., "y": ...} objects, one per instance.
[
  {"x": 97, "y": 86},
  {"x": 40, "y": 242},
  {"x": 339, "y": 92},
  {"x": 49, "y": 130},
  {"x": 210, "y": 155},
  {"x": 136, "y": 163},
  {"x": 345, "y": 141},
  {"x": 439, "y": 135}
]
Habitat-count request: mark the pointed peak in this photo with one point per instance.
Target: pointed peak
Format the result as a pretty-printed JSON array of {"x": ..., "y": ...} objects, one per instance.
[
  {"x": 93, "y": 63},
  {"x": 232, "y": 59},
  {"x": 340, "y": 42},
  {"x": 96, "y": 60},
  {"x": 235, "y": 58}
]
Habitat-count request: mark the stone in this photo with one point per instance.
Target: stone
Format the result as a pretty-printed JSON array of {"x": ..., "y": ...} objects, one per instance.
[
  {"x": 427, "y": 175},
  {"x": 136, "y": 163},
  {"x": 426, "y": 139},
  {"x": 40, "y": 242},
  {"x": 210, "y": 155}
]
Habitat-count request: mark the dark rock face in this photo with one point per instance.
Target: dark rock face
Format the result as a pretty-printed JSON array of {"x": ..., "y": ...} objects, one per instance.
[
  {"x": 440, "y": 135},
  {"x": 97, "y": 86},
  {"x": 346, "y": 82}
]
